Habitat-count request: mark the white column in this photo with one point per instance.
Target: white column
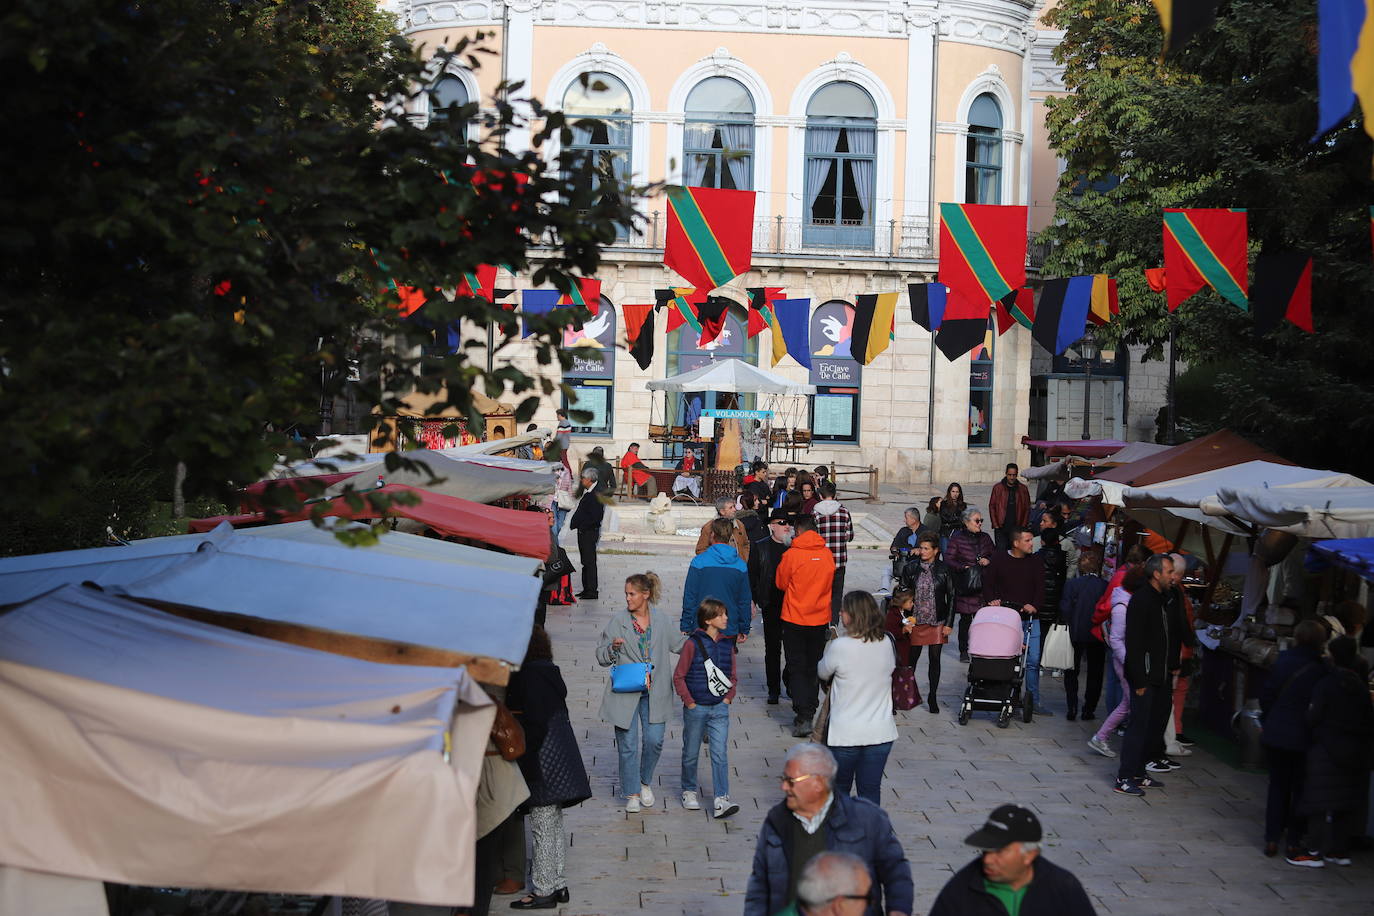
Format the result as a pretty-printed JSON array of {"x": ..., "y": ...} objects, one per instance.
[
  {"x": 1027, "y": 117},
  {"x": 920, "y": 120},
  {"x": 518, "y": 65}
]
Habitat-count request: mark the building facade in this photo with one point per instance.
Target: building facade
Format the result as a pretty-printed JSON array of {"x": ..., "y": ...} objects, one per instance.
[{"x": 851, "y": 120}]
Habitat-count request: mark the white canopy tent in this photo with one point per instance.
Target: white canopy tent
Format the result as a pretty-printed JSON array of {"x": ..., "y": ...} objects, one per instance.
[
  {"x": 732, "y": 376},
  {"x": 479, "y": 603},
  {"x": 1310, "y": 512},
  {"x": 147, "y": 749},
  {"x": 1133, "y": 451},
  {"x": 348, "y": 462},
  {"x": 1159, "y": 506}
]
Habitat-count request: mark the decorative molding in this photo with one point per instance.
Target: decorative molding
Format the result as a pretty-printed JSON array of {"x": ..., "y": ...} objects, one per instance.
[{"x": 1047, "y": 75}]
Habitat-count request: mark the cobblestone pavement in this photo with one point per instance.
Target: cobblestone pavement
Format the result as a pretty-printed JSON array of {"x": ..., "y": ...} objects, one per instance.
[{"x": 1193, "y": 848}]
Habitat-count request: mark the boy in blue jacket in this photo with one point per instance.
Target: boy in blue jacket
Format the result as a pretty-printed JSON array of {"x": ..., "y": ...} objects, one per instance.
[
  {"x": 706, "y": 694},
  {"x": 718, "y": 572}
]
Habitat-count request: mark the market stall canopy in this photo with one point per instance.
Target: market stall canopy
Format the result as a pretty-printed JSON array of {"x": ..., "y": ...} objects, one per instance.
[
  {"x": 731, "y": 376},
  {"x": 352, "y": 464},
  {"x": 1159, "y": 506},
  {"x": 1220, "y": 449},
  {"x": 478, "y": 479},
  {"x": 1063, "y": 469},
  {"x": 1081, "y": 448},
  {"x": 1344, "y": 511},
  {"x": 524, "y": 533},
  {"x": 470, "y": 609},
  {"x": 146, "y": 749},
  {"x": 1354, "y": 554}
]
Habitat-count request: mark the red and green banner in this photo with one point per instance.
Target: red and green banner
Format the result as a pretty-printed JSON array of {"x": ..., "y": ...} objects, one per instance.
[
  {"x": 681, "y": 302},
  {"x": 480, "y": 284},
  {"x": 1206, "y": 247},
  {"x": 982, "y": 256},
  {"x": 586, "y": 293},
  {"x": 1016, "y": 307},
  {"x": 710, "y": 238}
]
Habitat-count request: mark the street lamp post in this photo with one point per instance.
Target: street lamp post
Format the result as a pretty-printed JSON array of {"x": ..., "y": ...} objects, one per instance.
[{"x": 1087, "y": 352}]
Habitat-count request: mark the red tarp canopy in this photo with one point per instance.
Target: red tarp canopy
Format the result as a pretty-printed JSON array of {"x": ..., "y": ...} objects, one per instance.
[
  {"x": 1083, "y": 448},
  {"x": 250, "y": 497},
  {"x": 523, "y": 533},
  {"x": 1221, "y": 449}
]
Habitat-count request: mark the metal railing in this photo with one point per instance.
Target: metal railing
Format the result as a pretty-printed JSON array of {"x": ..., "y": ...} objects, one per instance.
[{"x": 906, "y": 238}]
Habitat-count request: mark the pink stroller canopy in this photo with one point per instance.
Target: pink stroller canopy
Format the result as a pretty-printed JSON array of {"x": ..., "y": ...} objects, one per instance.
[{"x": 995, "y": 633}]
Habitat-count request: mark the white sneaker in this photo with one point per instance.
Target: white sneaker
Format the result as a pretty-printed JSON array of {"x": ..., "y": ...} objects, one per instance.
[
  {"x": 724, "y": 807},
  {"x": 632, "y": 805},
  {"x": 1181, "y": 751},
  {"x": 689, "y": 801},
  {"x": 646, "y": 795},
  {"x": 1101, "y": 746}
]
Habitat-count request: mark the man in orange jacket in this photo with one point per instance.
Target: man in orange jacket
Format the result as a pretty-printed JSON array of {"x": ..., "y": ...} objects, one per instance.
[{"x": 805, "y": 575}]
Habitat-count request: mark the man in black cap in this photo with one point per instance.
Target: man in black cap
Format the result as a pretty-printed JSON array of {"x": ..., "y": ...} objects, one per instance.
[
  {"x": 1010, "y": 876},
  {"x": 768, "y": 597}
]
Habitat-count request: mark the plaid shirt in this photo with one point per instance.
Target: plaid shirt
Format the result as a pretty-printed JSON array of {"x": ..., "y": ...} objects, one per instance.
[{"x": 837, "y": 530}]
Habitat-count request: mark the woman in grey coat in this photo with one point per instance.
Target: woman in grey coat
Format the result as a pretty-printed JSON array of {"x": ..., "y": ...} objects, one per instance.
[{"x": 641, "y": 634}]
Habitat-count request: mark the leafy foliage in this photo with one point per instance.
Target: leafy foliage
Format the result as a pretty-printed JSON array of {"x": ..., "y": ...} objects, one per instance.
[
  {"x": 1228, "y": 122},
  {"x": 207, "y": 215}
]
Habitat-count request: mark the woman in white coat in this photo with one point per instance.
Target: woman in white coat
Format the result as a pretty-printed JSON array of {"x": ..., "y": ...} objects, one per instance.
[
  {"x": 641, "y": 633},
  {"x": 862, "y": 722}
]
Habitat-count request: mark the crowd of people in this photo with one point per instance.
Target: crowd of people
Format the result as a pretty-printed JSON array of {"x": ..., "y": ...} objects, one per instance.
[{"x": 781, "y": 546}]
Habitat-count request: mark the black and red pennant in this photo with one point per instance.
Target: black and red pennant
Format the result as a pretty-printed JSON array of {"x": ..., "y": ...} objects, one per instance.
[{"x": 1282, "y": 289}]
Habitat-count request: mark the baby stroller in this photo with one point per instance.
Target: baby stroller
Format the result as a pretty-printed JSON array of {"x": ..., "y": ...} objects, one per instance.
[{"x": 997, "y": 664}]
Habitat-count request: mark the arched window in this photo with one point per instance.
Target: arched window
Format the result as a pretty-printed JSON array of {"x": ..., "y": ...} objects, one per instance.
[
  {"x": 841, "y": 130},
  {"x": 591, "y": 377},
  {"x": 607, "y": 140},
  {"x": 446, "y": 98},
  {"x": 718, "y": 136},
  {"x": 983, "y": 172},
  {"x": 684, "y": 355},
  {"x": 837, "y": 376}
]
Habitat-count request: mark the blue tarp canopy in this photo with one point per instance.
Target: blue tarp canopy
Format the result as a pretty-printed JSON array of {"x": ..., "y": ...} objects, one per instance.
[{"x": 1354, "y": 554}]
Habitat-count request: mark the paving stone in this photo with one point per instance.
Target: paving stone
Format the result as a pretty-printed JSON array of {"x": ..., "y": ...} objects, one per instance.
[{"x": 1193, "y": 847}]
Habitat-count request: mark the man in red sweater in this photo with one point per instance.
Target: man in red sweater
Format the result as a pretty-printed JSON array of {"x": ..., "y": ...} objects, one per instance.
[
  {"x": 1008, "y": 506},
  {"x": 1016, "y": 579},
  {"x": 805, "y": 575}
]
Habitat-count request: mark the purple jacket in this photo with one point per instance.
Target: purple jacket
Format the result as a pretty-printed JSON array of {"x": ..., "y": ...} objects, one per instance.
[{"x": 965, "y": 548}]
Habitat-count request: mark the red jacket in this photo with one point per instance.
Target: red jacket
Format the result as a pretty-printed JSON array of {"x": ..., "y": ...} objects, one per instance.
[
  {"x": 997, "y": 506},
  {"x": 805, "y": 575}
]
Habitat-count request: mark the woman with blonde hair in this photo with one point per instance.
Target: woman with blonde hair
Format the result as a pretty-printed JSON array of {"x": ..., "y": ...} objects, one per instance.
[
  {"x": 642, "y": 634},
  {"x": 862, "y": 722}
]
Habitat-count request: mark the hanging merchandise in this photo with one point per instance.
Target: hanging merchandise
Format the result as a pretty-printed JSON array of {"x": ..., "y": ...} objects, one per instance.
[
  {"x": 639, "y": 331},
  {"x": 1205, "y": 247},
  {"x": 710, "y": 238},
  {"x": 792, "y": 331},
  {"x": 761, "y": 299},
  {"x": 982, "y": 256},
  {"x": 927, "y": 303},
  {"x": 1283, "y": 289},
  {"x": 873, "y": 317},
  {"x": 1062, "y": 313}
]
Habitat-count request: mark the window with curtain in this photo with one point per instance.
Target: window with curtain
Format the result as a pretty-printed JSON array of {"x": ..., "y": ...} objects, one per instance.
[
  {"x": 983, "y": 169},
  {"x": 718, "y": 136},
  {"x": 446, "y": 98},
  {"x": 598, "y": 105},
  {"x": 841, "y": 165},
  {"x": 980, "y": 392}
]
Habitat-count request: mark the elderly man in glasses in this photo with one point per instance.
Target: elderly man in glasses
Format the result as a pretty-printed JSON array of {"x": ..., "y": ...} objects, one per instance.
[
  {"x": 812, "y": 819},
  {"x": 1010, "y": 875}
]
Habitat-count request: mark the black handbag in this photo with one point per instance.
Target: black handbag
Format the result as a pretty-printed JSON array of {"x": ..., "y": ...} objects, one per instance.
[
  {"x": 557, "y": 567},
  {"x": 562, "y": 775},
  {"x": 970, "y": 581}
]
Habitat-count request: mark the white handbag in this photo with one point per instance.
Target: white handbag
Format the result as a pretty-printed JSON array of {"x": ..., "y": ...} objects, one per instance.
[{"x": 1056, "y": 649}]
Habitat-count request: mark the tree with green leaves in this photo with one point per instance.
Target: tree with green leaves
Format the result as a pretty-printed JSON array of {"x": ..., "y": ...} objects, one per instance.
[
  {"x": 206, "y": 205},
  {"x": 1226, "y": 122}
]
